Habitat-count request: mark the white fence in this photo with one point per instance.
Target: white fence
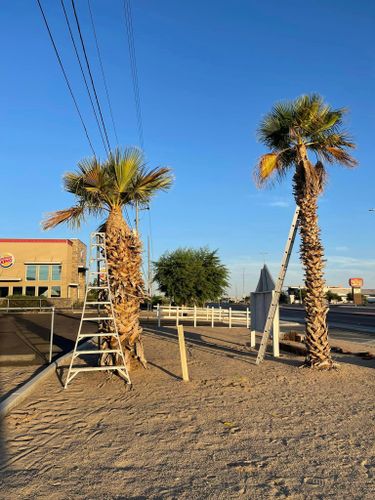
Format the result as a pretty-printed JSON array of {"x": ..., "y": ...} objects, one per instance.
[{"x": 212, "y": 315}]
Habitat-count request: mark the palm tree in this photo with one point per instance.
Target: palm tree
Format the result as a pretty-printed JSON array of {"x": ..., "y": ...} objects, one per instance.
[
  {"x": 107, "y": 188},
  {"x": 291, "y": 131}
]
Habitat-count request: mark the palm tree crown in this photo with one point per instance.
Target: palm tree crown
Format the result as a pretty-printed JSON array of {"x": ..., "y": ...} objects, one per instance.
[
  {"x": 292, "y": 128},
  {"x": 123, "y": 179}
]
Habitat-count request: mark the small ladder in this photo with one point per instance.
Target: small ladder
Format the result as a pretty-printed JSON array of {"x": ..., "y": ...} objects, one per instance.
[
  {"x": 279, "y": 284},
  {"x": 98, "y": 279}
]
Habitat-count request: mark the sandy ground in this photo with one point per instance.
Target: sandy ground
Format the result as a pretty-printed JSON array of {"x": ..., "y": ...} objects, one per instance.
[
  {"x": 12, "y": 377},
  {"x": 235, "y": 431}
]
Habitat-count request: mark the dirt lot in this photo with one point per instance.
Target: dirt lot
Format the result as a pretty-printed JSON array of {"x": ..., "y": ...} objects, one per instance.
[{"x": 234, "y": 431}]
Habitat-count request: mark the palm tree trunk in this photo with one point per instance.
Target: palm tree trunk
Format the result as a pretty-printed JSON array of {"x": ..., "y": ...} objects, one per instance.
[
  {"x": 312, "y": 253},
  {"x": 124, "y": 270}
]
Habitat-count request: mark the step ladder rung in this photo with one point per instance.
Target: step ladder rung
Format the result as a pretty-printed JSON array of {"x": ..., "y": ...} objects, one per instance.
[
  {"x": 97, "y": 368},
  {"x": 104, "y": 302},
  {"x": 96, "y": 351},
  {"x": 89, "y": 335},
  {"x": 98, "y": 318}
]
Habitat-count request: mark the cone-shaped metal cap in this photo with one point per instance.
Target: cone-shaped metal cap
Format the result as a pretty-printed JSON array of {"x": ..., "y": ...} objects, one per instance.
[{"x": 265, "y": 283}]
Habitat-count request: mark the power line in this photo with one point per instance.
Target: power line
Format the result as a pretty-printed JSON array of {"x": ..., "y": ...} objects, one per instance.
[
  {"x": 133, "y": 66},
  {"x": 91, "y": 77},
  {"x": 65, "y": 77},
  {"x": 102, "y": 71},
  {"x": 83, "y": 73}
]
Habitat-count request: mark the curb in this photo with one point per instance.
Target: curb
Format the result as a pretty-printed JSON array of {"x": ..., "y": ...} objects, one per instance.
[{"x": 21, "y": 394}]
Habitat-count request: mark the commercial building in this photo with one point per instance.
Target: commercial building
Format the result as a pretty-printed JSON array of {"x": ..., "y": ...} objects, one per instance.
[{"x": 50, "y": 268}]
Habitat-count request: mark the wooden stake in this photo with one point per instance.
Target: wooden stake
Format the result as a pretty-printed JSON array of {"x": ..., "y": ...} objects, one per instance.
[{"x": 181, "y": 342}]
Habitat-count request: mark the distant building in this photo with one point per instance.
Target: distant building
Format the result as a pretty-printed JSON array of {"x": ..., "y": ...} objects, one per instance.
[
  {"x": 51, "y": 268},
  {"x": 341, "y": 291}
]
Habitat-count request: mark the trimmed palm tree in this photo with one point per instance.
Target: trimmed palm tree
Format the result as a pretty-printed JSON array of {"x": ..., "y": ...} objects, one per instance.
[
  {"x": 106, "y": 189},
  {"x": 291, "y": 131}
]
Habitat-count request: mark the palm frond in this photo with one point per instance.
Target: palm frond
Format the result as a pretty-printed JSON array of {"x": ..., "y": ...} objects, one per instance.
[
  {"x": 269, "y": 167},
  {"x": 147, "y": 183},
  {"x": 307, "y": 121},
  {"x": 126, "y": 167},
  {"x": 74, "y": 216},
  {"x": 338, "y": 155}
]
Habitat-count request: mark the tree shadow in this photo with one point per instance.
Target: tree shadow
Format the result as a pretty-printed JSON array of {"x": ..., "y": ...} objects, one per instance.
[{"x": 195, "y": 339}]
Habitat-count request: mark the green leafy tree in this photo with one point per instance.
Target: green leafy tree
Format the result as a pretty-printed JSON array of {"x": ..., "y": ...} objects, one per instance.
[
  {"x": 293, "y": 131},
  {"x": 330, "y": 296},
  {"x": 188, "y": 276}
]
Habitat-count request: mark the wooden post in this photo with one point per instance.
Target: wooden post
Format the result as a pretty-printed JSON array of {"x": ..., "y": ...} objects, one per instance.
[
  {"x": 230, "y": 317},
  {"x": 247, "y": 318},
  {"x": 220, "y": 313},
  {"x": 195, "y": 316},
  {"x": 252, "y": 338},
  {"x": 181, "y": 343},
  {"x": 275, "y": 331},
  {"x": 177, "y": 314},
  {"x": 212, "y": 317}
]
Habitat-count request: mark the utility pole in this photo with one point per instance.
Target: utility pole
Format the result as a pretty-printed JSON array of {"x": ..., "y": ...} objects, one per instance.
[{"x": 149, "y": 270}]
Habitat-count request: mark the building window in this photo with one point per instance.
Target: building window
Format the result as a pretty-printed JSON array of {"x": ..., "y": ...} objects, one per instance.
[
  {"x": 56, "y": 272},
  {"x": 17, "y": 290},
  {"x": 4, "y": 291},
  {"x": 30, "y": 290},
  {"x": 43, "y": 291},
  {"x": 31, "y": 272},
  {"x": 55, "y": 291},
  {"x": 43, "y": 273}
]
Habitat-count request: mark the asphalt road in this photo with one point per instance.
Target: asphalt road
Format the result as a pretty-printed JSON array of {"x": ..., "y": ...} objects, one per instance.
[{"x": 356, "y": 319}]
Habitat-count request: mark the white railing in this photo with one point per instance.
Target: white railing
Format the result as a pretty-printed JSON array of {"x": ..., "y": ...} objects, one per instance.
[
  {"x": 39, "y": 309},
  {"x": 212, "y": 315},
  {"x": 37, "y": 303}
]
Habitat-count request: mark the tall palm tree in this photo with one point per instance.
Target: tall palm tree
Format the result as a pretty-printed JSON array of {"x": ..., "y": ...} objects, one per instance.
[
  {"x": 106, "y": 189},
  {"x": 291, "y": 131}
]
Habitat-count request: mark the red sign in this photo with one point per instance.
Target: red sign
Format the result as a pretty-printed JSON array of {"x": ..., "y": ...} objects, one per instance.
[
  {"x": 7, "y": 260},
  {"x": 356, "y": 282}
]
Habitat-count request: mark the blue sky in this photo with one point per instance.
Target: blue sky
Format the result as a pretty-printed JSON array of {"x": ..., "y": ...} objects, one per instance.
[{"x": 208, "y": 71}]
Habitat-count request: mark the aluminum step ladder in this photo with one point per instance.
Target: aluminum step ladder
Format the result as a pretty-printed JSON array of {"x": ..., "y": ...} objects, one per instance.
[
  {"x": 279, "y": 284},
  {"x": 98, "y": 279}
]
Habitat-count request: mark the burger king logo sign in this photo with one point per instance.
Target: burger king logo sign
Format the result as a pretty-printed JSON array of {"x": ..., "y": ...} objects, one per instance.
[{"x": 7, "y": 260}]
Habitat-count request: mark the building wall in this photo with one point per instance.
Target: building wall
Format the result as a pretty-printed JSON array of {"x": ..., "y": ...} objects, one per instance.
[{"x": 70, "y": 254}]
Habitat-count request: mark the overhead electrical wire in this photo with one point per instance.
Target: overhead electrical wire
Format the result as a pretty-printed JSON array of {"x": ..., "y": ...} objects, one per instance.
[
  {"x": 83, "y": 74},
  {"x": 90, "y": 74},
  {"x": 133, "y": 67},
  {"x": 65, "y": 76},
  {"x": 102, "y": 71}
]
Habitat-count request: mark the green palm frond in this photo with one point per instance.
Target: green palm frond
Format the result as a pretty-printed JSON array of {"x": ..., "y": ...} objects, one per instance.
[
  {"x": 148, "y": 182},
  {"x": 124, "y": 167}
]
